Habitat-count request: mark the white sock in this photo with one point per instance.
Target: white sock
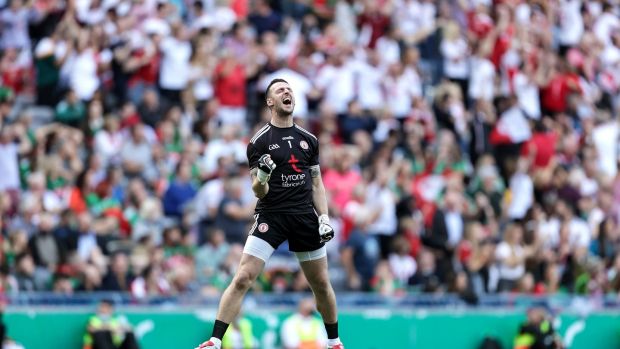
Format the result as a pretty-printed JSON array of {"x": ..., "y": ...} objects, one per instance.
[
  {"x": 332, "y": 342},
  {"x": 217, "y": 342}
]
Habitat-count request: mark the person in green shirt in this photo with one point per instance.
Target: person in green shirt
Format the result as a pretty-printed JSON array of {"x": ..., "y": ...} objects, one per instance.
[
  {"x": 71, "y": 111},
  {"x": 105, "y": 330}
]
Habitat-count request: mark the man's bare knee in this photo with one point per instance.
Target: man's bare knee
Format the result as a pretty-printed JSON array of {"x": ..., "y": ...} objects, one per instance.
[
  {"x": 243, "y": 281},
  {"x": 321, "y": 286}
]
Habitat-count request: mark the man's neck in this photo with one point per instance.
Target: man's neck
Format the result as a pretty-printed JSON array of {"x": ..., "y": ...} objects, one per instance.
[{"x": 282, "y": 122}]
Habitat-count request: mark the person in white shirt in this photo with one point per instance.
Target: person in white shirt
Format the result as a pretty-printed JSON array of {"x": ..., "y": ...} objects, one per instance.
[
  {"x": 522, "y": 191},
  {"x": 455, "y": 52},
  {"x": 14, "y": 22},
  {"x": 226, "y": 145},
  {"x": 389, "y": 46},
  {"x": 174, "y": 73},
  {"x": 571, "y": 23},
  {"x": 605, "y": 24},
  {"x": 369, "y": 75},
  {"x": 415, "y": 18},
  {"x": 482, "y": 82},
  {"x": 605, "y": 140},
  {"x": 510, "y": 255},
  {"x": 109, "y": 141},
  {"x": 579, "y": 234},
  {"x": 336, "y": 80},
  {"x": 401, "y": 88},
  {"x": 526, "y": 86},
  {"x": 384, "y": 203},
  {"x": 402, "y": 264},
  {"x": 84, "y": 65},
  {"x": 9, "y": 161}
]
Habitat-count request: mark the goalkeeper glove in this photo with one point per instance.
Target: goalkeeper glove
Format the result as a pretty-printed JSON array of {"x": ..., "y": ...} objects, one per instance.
[
  {"x": 326, "y": 231},
  {"x": 265, "y": 167}
]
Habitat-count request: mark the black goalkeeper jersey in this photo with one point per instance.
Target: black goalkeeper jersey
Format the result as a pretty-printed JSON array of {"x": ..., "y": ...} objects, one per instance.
[{"x": 294, "y": 150}]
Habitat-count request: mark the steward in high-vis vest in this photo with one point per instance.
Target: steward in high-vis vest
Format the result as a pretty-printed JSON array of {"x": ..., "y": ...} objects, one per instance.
[
  {"x": 239, "y": 335},
  {"x": 303, "y": 330},
  {"x": 537, "y": 332},
  {"x": 106, "y": 331}
]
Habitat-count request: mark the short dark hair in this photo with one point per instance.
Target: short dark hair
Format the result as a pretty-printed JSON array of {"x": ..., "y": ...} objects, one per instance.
[{"x": 274, "y": 81}]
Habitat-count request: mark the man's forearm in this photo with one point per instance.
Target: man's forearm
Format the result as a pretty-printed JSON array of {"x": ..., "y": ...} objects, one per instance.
[
  {"x": 260, "y": 189},
  {"x": 319, "y": 198}
]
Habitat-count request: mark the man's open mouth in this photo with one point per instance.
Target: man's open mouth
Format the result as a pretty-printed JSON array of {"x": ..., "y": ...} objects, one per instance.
[{"x": 287, "y": 100}]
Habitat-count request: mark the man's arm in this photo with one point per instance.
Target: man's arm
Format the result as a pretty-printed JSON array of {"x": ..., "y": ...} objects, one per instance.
[
  {"x": 318, "y": 191},
  {"x": 326, "y": 232},
  {"x": 260, "y": 189}
]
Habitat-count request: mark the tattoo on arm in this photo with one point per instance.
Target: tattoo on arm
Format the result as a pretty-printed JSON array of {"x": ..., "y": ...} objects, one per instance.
[{"x": 315, "y": 171}]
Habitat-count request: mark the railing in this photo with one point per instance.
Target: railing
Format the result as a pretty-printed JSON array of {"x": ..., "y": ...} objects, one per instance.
[{"x": 345, "y": 300}]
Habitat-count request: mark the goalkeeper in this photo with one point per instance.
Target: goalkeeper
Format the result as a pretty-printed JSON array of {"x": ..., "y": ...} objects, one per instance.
[{"x": 286, "y": 178}]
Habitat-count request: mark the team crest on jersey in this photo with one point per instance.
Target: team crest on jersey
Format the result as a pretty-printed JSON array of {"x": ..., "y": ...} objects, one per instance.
[
  {"x": 303, "y": 145},
  {"x": 263, "y": 227}
]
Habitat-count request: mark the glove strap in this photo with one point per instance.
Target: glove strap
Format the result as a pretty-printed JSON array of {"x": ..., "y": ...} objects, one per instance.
[
  {"x": 262, "y": 176},
  {"x": 323, "y": 219}
]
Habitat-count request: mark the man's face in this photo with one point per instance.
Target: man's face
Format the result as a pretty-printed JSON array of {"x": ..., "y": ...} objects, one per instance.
[
  {"x": 105, "y": 309},
  {"x": 281, "y": 98}
]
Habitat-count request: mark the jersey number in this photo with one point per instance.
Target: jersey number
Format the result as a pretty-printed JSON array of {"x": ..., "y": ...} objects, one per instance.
[{"x": 290, "y": 145}]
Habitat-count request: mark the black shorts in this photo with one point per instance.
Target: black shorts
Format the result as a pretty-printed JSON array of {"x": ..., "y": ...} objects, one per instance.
[{"x": 301, "y": 230}]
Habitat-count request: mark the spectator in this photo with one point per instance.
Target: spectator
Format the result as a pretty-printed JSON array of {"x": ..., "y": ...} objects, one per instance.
[
  {"x": 118, "y": 277},
  {"x": 336, "y": 81},
  {"x": 25, "y": 274},
  {"x": 361, "y": 252},
  {"x": 15, "y": 19},
  {"x": 226, "y": 145},
  {"x": 136, "y": 154},
  {"x": 341, "y": 179},
  {"x": 84, "y": 65},
  {"x": 446, "y": 231},
  {"x": 230, "y": 88},
  {"x": 46, "y": 250},
  {"x": 426, "y": 278},
  {"x": 455, "y": 52},
  {"x": 151, "y": 282},
  {"x": 263, "y": 18},
  {"x": 402, "y": 265},
  {"x": 239, "y": 335},
  {"x": 109, "y": 141},
  {"x": 511, "y": 256},
  {"x": 303, "y": 329},
  {"x": 48, "y": 60},
  {"x": 211, "y": 256},
  {"x": 537, "y": 332},
  {"x": 174, "y": 74},
  {"x": 71, "y": 111},
  {"x": 180, "y": 192},
  {"x": 150, "y": 222},
  {"x": 13, "y": 142},
  {"x": 233, "y": 216},
  {"x": 107, "y": 330},
  {"x": 384, "y": 207}
]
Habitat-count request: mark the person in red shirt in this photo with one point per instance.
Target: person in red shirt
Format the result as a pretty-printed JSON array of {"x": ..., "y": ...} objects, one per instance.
[
  {"x": 563, "y": 82},
  {"x": 230, "y": 89},
  {"x": 374, "y": 16},
  {"x": 541, "y": 147}
]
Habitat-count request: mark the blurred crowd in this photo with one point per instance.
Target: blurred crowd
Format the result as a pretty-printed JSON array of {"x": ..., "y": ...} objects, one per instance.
[{"x": 468, "y": 146}]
